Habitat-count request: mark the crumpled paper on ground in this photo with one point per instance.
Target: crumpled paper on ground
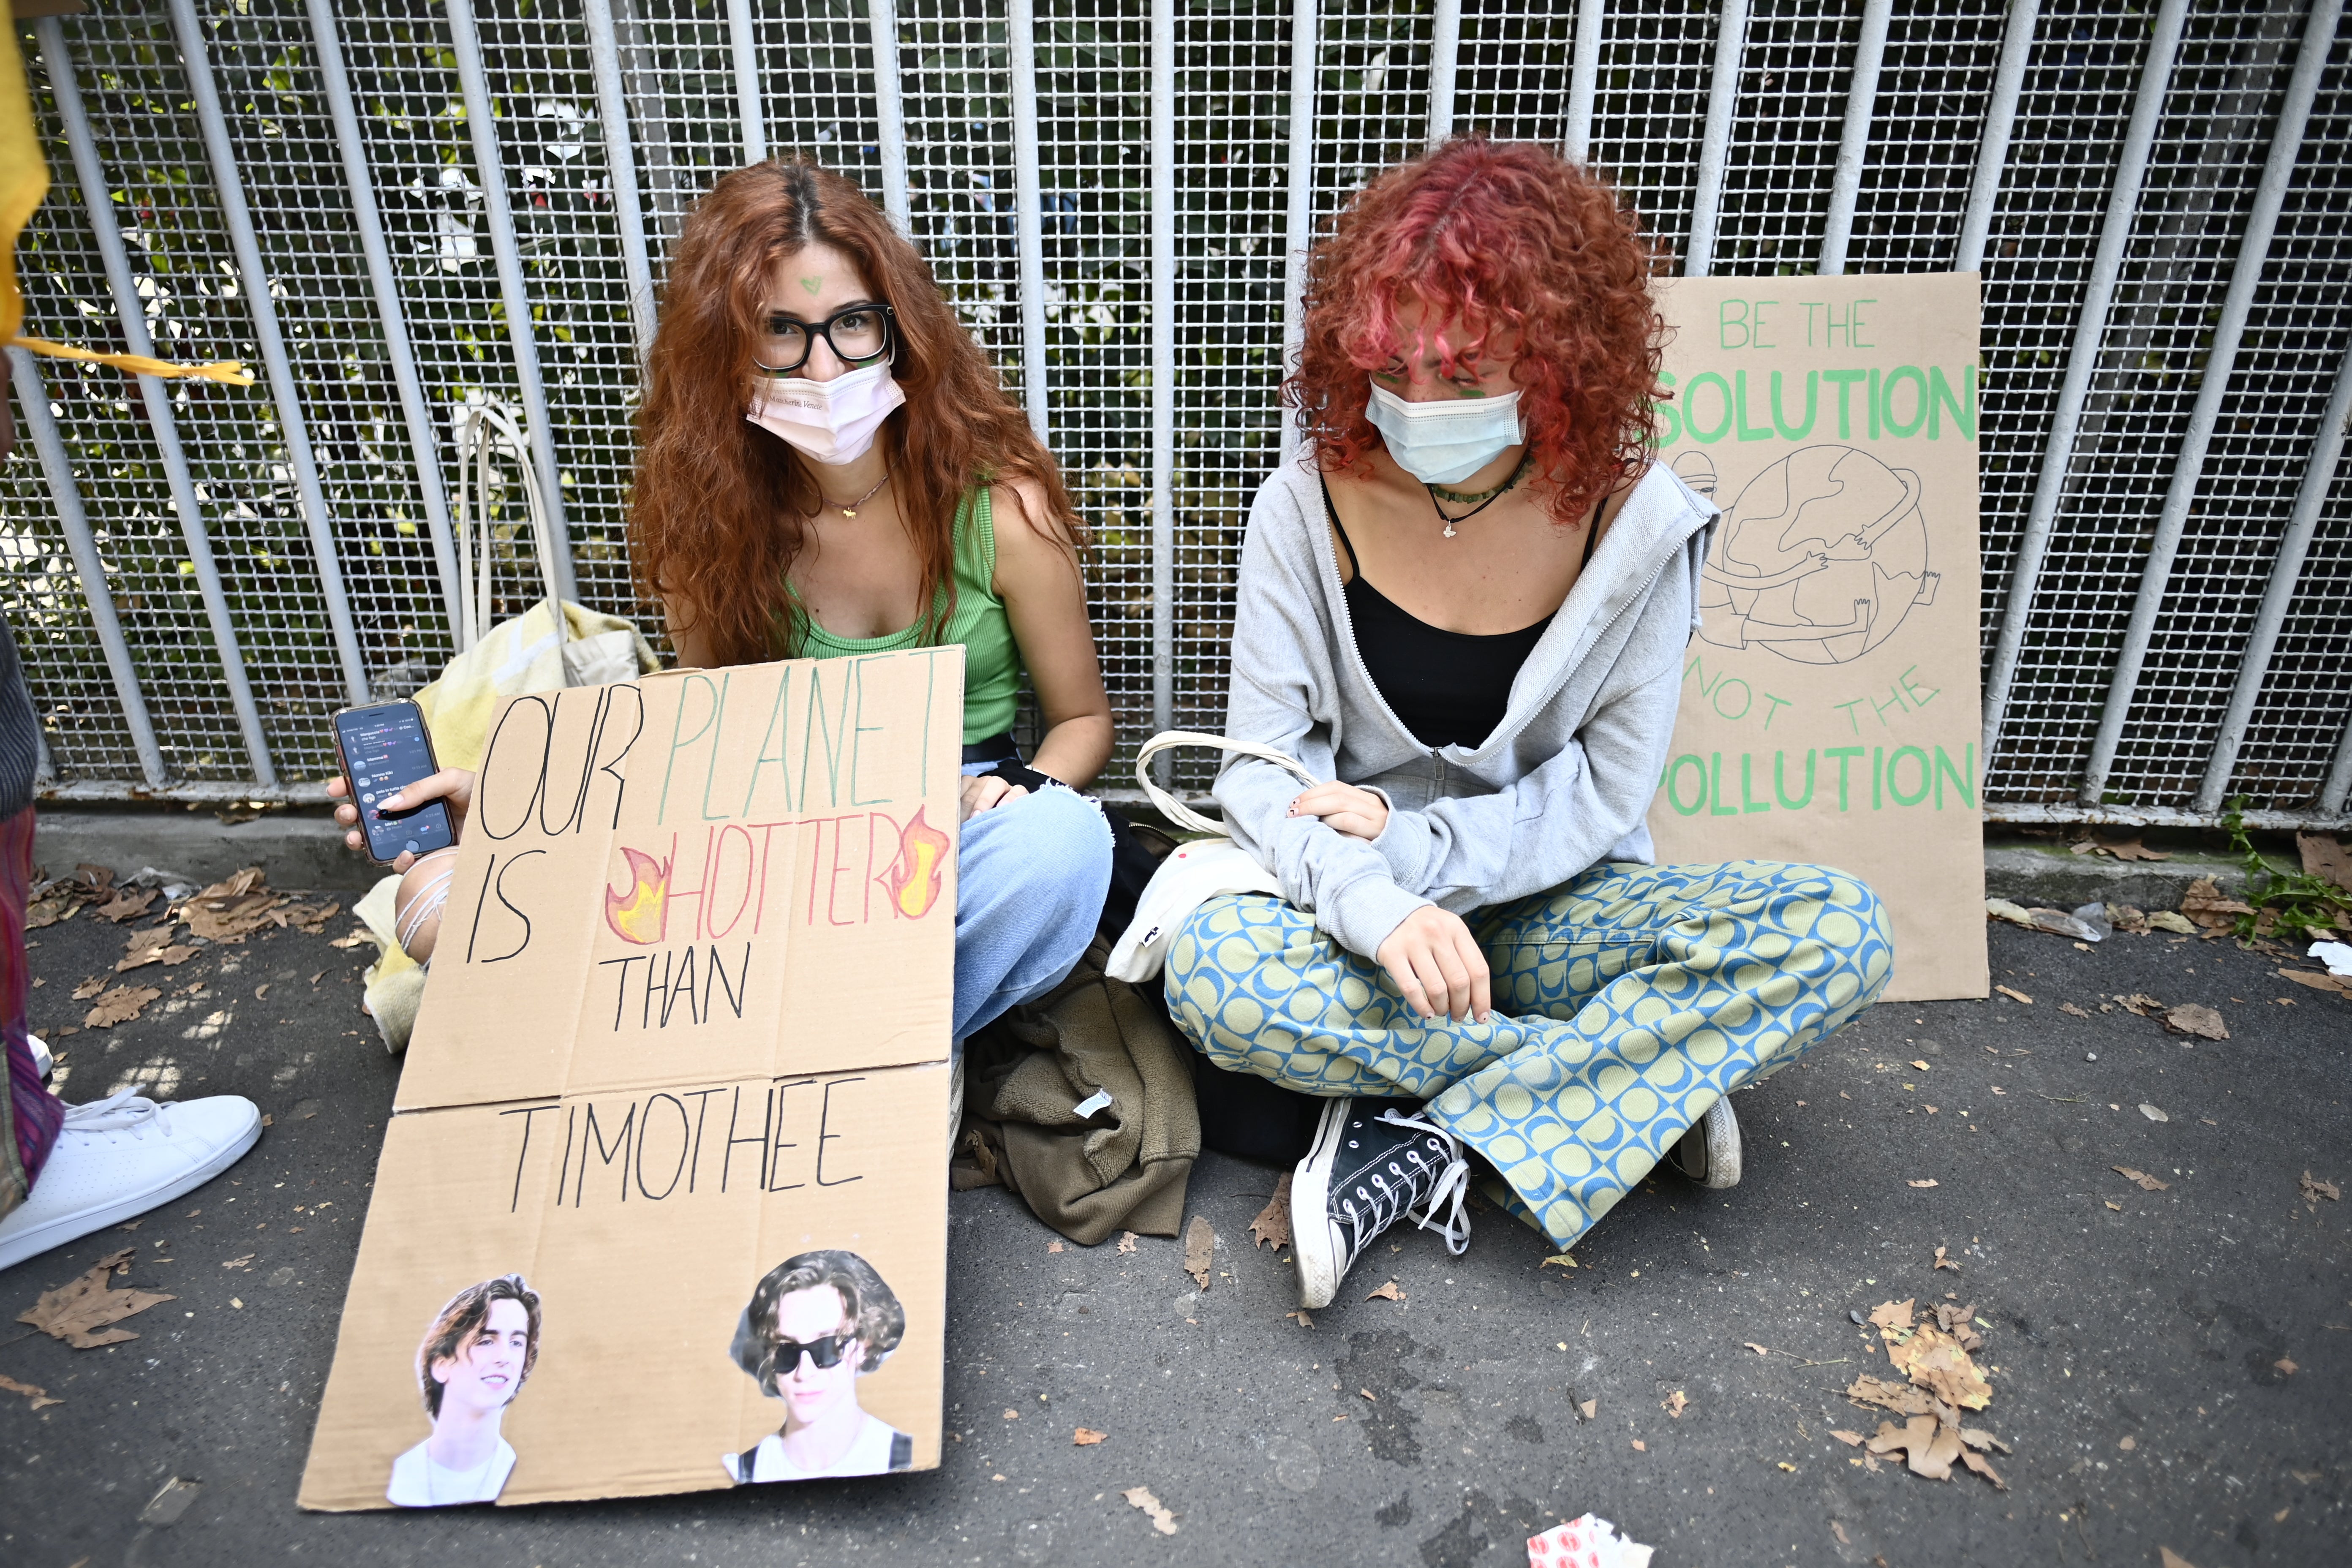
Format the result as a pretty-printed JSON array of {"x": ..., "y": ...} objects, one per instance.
[
  {"x": 2337, "y": 955},
  {"x": 1586, "y": 1542}
]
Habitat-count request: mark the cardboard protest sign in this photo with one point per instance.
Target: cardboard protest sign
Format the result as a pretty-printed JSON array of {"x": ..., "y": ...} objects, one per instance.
[
  {"x": 663, "y": 1204},
  {"x": 1830, "y": 707}
]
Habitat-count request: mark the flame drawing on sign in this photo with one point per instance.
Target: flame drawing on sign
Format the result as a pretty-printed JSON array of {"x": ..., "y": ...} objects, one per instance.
[
  {"x": 914, "y": 879},
  {"x": 642, "y": 914}
]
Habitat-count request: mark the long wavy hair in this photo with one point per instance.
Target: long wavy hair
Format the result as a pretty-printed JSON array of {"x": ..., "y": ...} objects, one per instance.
[
  {"x": 721, "y": 507},
  {"x": 1500, "y": 238}
]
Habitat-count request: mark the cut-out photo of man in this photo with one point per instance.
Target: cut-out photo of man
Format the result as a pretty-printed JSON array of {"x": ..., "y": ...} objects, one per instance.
[
  {"x": 817, "y": 1323},
  {"x": 474, "y": 1361}
]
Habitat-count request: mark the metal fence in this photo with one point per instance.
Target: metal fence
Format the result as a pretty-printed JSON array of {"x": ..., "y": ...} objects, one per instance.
[{"x": 398, "y": 208}]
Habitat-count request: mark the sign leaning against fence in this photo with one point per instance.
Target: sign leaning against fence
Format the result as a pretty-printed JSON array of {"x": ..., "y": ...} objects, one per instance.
[
  {"x": 1829, "y": 706},
  {"x": 663, "y": 1201}
]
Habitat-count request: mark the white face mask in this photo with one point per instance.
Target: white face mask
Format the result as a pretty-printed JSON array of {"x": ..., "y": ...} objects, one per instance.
[
  {"x": 1445, "y": 443},
  {"x": 830, "y": 422}
]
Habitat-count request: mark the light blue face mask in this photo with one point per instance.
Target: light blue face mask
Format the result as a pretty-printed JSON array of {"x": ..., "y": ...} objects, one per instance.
[{"x": 1445, "y": 443}]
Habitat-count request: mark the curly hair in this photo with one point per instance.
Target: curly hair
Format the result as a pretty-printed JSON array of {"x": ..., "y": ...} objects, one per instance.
[
  {"x": 1501, "y": 237},
  {"x": 871, "y": 1307},
  {"x": 461, "y": 1319},
  {"x": 719, "y": 508}
]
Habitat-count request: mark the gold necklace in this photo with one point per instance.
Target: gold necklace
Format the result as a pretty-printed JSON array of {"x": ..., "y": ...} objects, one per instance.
[{"x": 851, "y": 510}]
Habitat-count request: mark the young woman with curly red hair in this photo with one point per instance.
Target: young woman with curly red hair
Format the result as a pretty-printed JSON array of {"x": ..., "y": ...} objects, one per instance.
[
  {"x": 829, "y": 467},
  {"x": 1468, "y": 604}
]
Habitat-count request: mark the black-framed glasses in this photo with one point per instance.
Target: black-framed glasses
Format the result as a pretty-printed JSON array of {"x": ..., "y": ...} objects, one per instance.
[
  {"x": 784, "y": 1355},
  {"x": 856, "y": 334}
]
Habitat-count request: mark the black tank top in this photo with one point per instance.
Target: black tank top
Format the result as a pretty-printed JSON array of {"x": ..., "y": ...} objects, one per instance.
[{"x": 1449, "y": 688}]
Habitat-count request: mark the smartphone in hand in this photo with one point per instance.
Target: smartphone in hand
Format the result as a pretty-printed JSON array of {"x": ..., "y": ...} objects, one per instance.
[{"x": 384, "y": 748}]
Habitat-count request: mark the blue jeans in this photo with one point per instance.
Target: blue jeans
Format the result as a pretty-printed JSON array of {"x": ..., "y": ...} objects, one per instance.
[{"x": 1029, "y": 879}]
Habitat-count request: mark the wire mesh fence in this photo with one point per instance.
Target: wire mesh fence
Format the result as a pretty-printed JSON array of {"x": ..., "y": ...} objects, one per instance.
[{"x": 212, "y": 563}]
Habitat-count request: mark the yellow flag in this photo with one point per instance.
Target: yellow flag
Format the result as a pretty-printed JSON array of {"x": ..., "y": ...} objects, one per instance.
[{"x": 24, "y": 181}]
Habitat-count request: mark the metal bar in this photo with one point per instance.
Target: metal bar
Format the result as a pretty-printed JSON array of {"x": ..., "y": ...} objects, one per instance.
[
  {"x": 1584, "y": 77},
  {"x": 620, "y": 163},
  {"x": 743, "y": 32},
  {"x": 490, "y": 169},
  {"x": 1028, "y": 199},
  {"x": 1444, "y": 63},
  {"x": 1163, "y": 365},
  {"x": 303, "y": 794},
  {"x": 2082, "y": 362},
  {"x": 98, "y": 205},
  {"x": 1298, "y": 224},
  {"x": 2318, "y": 820},
  {"x": 56, "y": 467},
  {"x": 1715, "y": 144},
  {"x": 891, "y": 116},
  {"x": 1853, "y": 145},
  {"x": 2001, "y": 122},
  {"x": 2220, "y": 363},
  {"x": 2286, "y": 572},
  {"x": 2339, "y": 780},
  {"x": 650, "y": 118},
  {"x": 293, "y": 425},
  {"x": 424, "y": 444}
]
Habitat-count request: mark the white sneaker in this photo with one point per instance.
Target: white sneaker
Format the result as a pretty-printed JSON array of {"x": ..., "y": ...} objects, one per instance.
[
  {"x": 121, "y": 1156},
  {"x": 1709, "y": 1152},
  {"x": 43, "y": 1061}
]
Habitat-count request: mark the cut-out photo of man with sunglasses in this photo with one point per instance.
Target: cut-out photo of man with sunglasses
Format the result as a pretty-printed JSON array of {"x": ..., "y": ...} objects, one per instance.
[{"x": 817, "y": 1323}]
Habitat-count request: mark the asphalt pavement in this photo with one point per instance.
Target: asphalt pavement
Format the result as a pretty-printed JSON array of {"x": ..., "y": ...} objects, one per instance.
[{"x": 2168, "y": 1367}]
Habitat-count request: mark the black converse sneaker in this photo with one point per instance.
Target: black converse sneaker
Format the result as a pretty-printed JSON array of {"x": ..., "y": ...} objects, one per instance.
[
  {"x": 1709, "y": 1152},
  {"x": 1373, "y": 1163}
]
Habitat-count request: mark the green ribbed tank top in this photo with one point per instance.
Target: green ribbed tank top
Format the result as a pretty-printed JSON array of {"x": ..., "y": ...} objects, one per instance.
[{"x": 992, "y": 660}]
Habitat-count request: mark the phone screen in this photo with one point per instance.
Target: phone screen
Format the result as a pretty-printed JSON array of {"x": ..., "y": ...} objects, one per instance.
[{"x": 384, "y": 748}]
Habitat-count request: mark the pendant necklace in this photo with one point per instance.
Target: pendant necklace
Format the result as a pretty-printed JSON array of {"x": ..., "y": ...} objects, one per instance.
[
  {"x": 851, "y": 510},
  {"x": 1478, "y": 502}
]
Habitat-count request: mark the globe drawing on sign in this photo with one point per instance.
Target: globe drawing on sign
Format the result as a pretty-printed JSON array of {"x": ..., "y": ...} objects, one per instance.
[{"x": 1819, "y": 559}]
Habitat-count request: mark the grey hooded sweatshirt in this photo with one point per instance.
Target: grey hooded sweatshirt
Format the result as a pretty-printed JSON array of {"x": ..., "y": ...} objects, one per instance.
[{"x": 1563, "y": 784}]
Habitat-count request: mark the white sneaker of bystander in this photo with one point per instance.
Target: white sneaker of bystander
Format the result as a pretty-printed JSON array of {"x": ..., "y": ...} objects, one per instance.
[{"x": 119, "y": 1157}]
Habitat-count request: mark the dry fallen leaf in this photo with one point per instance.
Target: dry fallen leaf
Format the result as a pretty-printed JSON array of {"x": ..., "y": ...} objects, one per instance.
[
  {"x": 2133, "y": 850},
  {"x": 351, "y": 939},
  {"x": 1639, "y": 1447},
  {"x": 1900, "y": 1397},
  {"x": 2140, "y": 1178},
  {"x": 227, "y": 911},
  {"x": 1053, "y": 1247},
  {"x": 1935, "y": 1362},
  {"x": 2204, "y": 904},
  {"x": 1851, "y": 1439},
  {"x": 1893, "y": 1314},
  {"x": 40, "y": 1396},
  {"x": 1011, "y": 1413},
  {"x": 2286, "y": 1365},
  {"x": 2325, "y": 858},
  {"x": 1759, "y": 1349},
  {"x": 2139, "y": 1004},
  {"x": 1930, "y": 1182},
  {"x": 1977, "y": 1463},
  {"x": 2113, "y": 1205},
  {"x": 1930, "y": 1448},
  {"x": 1163, "y": 1519},
  {"x": 2152, "y": 1113},
  {"x": 2014, "y": 995},
  {"x": 1304, "y": 1321},
  {"x": 1922, "y": 1067},
  {"x": 1562, "y": 1259},
  {"x": 2313, "y": 1189},
  {"x": 1588, "y": 1408},
  {"x": 127, "y": 904},
  {"x": 2068, "y": 1008},
  {"x": 2194, "y": 1018},
  {"x": 1677, "y": 1403},
  {"x": 89, "y": 988},
  {"x": 2318, "y": 982},
  {"x": 1944, "y": 1262},
  {"x": 1272, "y": 1226},
  {"x": 1368, "y": 1394},
  {"x": 245, "y": 1262},
  {"x": 1087, "y": 1437},
  {"x": 119, "y": 1005},
  {"x": 1388, "y": 1292},
  {"x": 1127, "y": 1239},
  {"x": 1200, "y": 1247},
  {"x": 2168, "y": 1558},
  {"x": 75, "y": 1312}
]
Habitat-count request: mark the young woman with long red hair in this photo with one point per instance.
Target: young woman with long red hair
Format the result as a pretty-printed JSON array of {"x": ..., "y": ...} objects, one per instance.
[
  {"x": 828, "y": 467},
  {"x": 1468, "y": 604}
]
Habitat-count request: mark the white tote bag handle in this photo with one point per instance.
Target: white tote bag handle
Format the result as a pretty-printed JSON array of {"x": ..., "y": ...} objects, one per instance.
[
  {"x": 480, "y": 428},
  {"x": 1175, "y": 810}
]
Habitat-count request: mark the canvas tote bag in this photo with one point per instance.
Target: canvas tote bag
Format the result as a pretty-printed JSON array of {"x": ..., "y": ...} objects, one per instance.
[{"x": 1196, "y": 871}]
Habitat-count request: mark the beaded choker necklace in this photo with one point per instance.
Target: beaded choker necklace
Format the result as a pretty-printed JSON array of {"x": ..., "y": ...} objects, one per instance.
[{"x": 1478, "y": 502}]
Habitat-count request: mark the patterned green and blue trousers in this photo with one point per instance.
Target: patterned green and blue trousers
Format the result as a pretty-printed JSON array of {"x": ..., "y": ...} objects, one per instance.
[{"x": 1626, "y": 1003}]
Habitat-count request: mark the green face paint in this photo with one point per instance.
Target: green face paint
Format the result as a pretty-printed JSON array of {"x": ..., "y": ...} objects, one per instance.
[{"x": 812, "y": 284}]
